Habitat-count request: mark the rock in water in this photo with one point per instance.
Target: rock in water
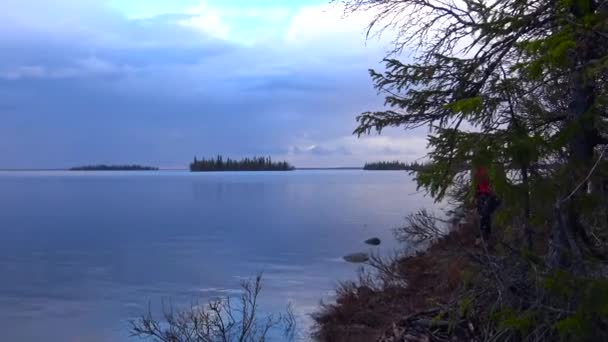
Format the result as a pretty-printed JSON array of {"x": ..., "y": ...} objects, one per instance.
[
  {"x": 356, "y": 258},
  {"x": 457, "y": 213},
  {"x": 373, "y": 241}
]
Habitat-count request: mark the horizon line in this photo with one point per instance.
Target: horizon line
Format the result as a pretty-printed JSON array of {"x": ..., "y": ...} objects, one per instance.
[{"x": 180, "y": 169}]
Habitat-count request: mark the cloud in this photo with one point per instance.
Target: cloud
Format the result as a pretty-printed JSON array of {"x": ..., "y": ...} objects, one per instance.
[
  {"x": 81, "y": 82},
  {"x": 23, "y": 72},
  {"x": 86, "y": 67},
  {"x": 242, "y": 24},
  {"x": 390, "y": 151},
  {"x": 319, "y": 150},
  {"x": 318, "y": 22},
  {"x": 352, "y": 151},
  {"x": 208, "y": 22}
]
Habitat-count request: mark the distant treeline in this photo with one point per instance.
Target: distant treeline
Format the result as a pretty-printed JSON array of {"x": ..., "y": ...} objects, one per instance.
[
  {"x": 247, "y": 164},
  {"x": 393, "y": 165},
  {"x": 102, "y": 167}
]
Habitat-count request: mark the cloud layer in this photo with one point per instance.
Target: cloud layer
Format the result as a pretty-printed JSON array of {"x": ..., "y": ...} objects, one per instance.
[{"x": 95, "y": 81}]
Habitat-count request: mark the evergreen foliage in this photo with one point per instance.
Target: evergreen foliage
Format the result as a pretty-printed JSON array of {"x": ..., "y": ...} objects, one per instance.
[
  {"x": 246, "y": 164},
  {"x": 393, "y": 165},
  {"x": 520, "y": 88}
]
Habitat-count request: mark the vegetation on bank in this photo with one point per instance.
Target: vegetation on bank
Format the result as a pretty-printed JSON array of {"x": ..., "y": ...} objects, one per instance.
[
  {"x": 447, "y": 284},
  {"x": 530, "y": 78},
  {"x": 103, "y": 167},
  {"x": 392, "y": 165},
  {"x": 246, "y": 164}
]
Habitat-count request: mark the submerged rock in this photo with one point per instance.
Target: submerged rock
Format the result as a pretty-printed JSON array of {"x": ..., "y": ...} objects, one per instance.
[
  {"x": 356, "y": 258},
  {"x": 373, "y": 241},
  {"x": 457, "y": 213}
]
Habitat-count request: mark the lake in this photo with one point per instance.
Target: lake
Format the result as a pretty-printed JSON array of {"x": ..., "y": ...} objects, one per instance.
[{"x": 81, "y": 253}]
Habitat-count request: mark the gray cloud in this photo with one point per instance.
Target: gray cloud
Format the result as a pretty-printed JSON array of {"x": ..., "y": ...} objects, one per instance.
[
  {"x": 108, "y": 89},
  {"x": 390, "y": 151},
  {"x": 321, "y": 151}
]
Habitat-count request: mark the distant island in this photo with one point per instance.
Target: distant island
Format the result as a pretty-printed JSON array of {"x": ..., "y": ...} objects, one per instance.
[
  {"x": 246, "y": 164},
  {"x": 393, "y": 165},
  {"x": 103, "y": 167}
]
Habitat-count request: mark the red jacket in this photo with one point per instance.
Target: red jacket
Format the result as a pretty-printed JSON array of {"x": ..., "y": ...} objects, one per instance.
[{"x": 482, "y": 182}]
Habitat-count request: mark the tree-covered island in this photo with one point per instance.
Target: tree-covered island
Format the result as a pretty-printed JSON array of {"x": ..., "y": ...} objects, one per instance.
[{"x": 247, "y": 164}]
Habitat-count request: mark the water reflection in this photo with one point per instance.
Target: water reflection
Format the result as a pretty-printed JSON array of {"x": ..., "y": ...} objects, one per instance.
[{"x": 84, "y": 252}]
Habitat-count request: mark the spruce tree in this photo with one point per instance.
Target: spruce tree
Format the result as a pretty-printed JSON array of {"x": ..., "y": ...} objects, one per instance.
[{"x": 519, "y": 85}]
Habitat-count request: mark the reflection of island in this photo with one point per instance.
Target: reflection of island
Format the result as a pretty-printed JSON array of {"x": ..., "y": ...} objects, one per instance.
[
  {"x": 393, "y": 165},
  {"x": 247, "y": 164},
  {"x": 102, "y": 167}
]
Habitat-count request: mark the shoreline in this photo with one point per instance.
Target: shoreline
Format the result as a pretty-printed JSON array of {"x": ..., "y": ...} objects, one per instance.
[
  {"x": 184, "y": 169},
  {"x": 380, "y": 306}
]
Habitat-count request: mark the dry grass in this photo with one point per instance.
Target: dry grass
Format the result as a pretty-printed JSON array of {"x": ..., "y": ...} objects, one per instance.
[{"x": 366, "y": 308}]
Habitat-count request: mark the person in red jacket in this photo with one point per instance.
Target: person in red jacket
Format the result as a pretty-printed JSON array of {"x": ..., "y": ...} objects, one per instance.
[{"x": 485, "y": 200}]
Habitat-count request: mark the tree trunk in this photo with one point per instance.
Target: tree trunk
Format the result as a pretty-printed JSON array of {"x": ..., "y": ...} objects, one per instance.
[
  {"x": 526, "y": 203},
  {"x": 563, "y": 249}
]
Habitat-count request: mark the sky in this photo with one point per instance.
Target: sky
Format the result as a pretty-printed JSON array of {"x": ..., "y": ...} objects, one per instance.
[{"x": 157, "y": 82}]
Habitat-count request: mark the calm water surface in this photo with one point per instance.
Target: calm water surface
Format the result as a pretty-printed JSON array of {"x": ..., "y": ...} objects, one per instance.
[{"x": 82, "y": 253}]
